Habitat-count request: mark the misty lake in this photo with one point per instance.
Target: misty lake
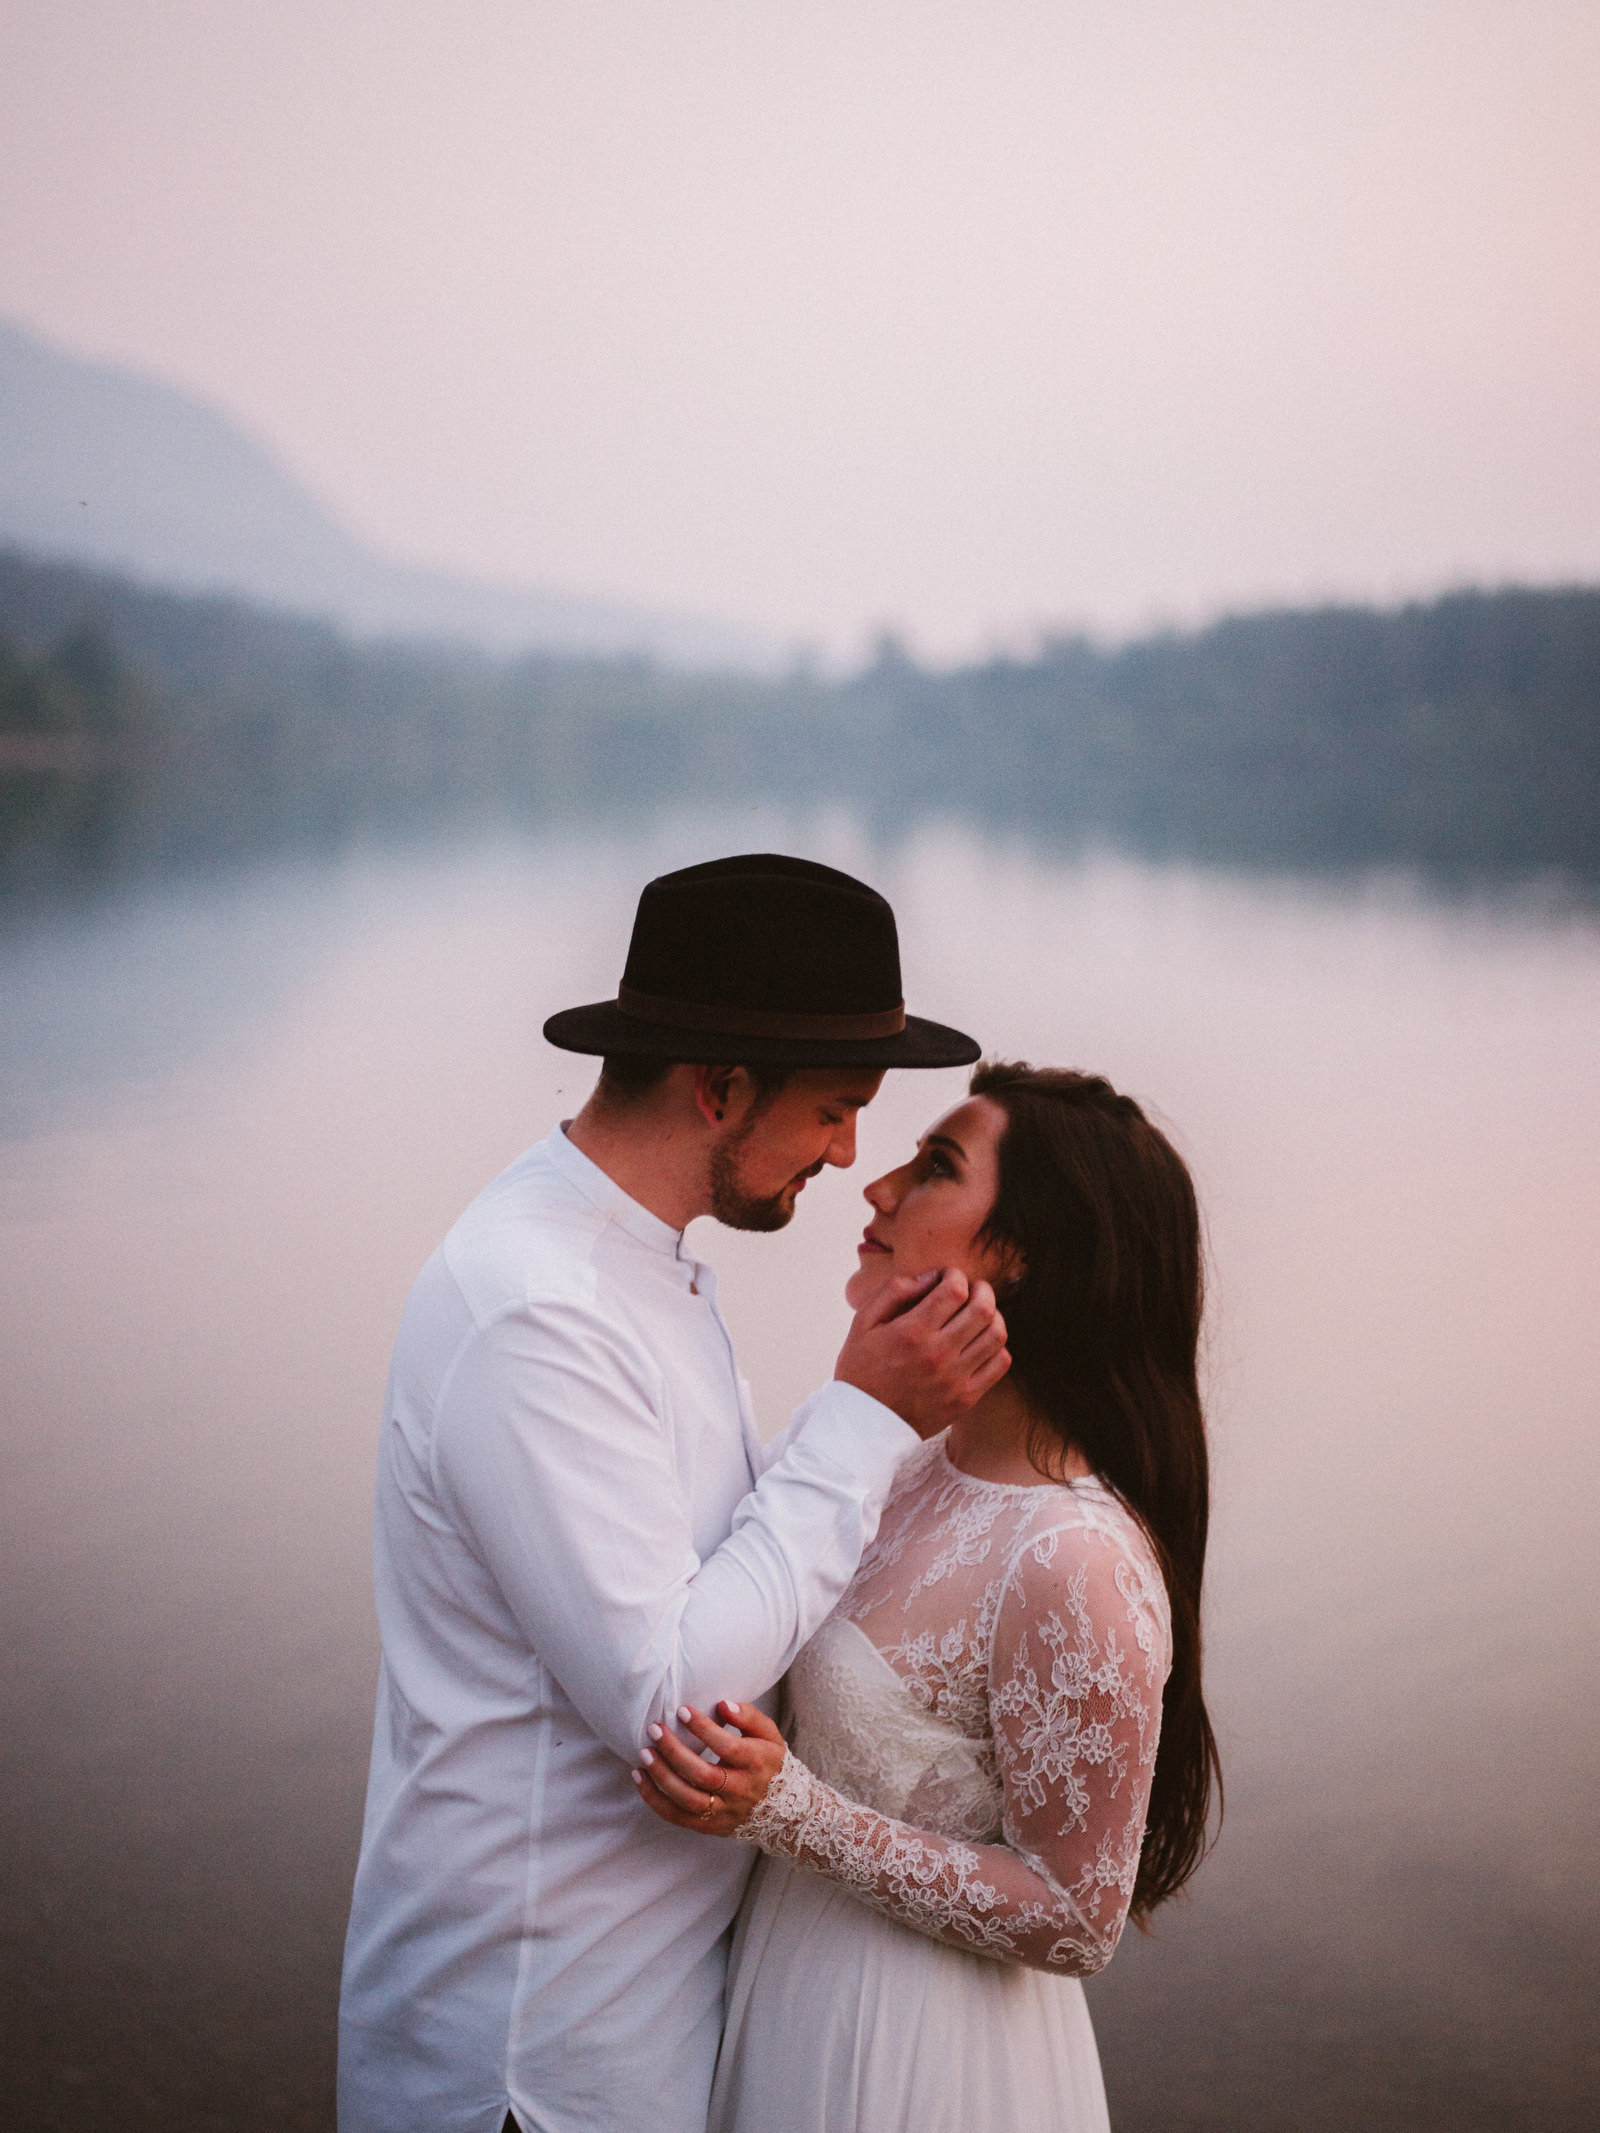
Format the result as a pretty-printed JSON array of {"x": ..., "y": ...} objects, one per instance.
[{"x": 235, "y": 1117}]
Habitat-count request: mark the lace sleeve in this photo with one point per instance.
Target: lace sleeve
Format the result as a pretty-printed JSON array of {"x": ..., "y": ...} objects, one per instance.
[{"x": 1078, "y": 1662}]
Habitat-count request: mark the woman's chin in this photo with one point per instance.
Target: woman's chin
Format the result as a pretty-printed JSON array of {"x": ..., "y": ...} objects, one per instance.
[{"x": 865, "y": 1283}]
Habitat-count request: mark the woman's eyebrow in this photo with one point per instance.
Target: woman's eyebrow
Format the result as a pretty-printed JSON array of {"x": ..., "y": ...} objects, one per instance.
[{"x": 944, "y": 1140}]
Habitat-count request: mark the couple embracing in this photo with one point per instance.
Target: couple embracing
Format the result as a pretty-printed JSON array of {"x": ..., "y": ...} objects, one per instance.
[{"x": 783, "y": 1788}]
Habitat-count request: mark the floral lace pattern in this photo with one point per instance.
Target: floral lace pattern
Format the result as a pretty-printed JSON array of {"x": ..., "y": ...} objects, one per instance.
[{"x": 975, "y": 1728}]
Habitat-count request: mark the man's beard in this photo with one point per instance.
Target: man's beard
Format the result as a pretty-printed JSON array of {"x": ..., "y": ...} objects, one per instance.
[{"x": 737, "y": 1208}]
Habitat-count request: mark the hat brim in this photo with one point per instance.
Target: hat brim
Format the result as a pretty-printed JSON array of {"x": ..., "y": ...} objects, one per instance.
[{"x": 604, "y": 1028}]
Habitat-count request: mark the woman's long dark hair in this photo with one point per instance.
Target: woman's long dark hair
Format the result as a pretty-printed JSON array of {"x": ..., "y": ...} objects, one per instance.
[{"x": 1103, "y": 1324}]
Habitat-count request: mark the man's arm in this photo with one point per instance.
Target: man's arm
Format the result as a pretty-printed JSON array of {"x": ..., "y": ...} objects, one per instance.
[{"x": 550, "y": 1452}]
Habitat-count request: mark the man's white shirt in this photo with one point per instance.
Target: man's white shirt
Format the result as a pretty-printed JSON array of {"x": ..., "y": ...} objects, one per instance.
[{"x": 577, "y": 1530}]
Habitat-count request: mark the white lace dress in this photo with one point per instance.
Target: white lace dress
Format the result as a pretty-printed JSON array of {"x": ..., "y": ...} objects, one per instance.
[{"x": 953, "y": 1839}]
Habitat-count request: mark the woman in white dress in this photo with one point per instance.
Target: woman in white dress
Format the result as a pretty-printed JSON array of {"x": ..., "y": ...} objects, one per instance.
[{"x": 998, "y": 1744}]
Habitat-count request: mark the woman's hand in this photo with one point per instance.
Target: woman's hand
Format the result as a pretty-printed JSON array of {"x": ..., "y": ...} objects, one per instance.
[{"x": 713, "y": 1798}]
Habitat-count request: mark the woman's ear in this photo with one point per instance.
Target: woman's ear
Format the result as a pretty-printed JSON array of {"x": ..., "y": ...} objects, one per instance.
[{"x": 1007, "y": 1264}]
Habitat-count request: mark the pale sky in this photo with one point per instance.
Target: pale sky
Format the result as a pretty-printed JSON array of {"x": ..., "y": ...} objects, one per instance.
[{"x": 963, "y": 318}]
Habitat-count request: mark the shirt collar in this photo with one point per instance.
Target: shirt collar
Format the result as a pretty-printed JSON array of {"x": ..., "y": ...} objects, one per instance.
[{"x": 604, "y": 1193}]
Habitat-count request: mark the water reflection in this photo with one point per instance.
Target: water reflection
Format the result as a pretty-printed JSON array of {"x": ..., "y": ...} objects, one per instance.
[{"x": 239, "y": 1121}]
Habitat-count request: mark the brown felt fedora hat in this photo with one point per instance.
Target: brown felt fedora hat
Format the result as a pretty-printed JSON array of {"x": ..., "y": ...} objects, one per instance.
[{"x": 762, "y": 961}]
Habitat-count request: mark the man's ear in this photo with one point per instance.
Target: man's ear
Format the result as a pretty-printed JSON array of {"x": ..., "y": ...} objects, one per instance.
[{"x": 714, "y": 1091}]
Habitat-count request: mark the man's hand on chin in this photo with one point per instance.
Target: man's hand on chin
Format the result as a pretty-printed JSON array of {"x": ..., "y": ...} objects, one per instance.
[{"x": 929, "y": 1346}]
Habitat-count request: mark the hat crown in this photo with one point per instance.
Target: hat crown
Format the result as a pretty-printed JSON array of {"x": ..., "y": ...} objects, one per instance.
[
  {"x": 765, "y": 934},
  {"x": 767, "y": 961}
]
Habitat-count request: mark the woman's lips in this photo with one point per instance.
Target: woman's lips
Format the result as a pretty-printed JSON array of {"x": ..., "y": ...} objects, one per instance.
[{"x": 869, "y": 1243}]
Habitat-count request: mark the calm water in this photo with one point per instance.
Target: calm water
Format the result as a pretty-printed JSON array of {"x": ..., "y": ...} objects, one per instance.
[{"x": 234, "y": 1121}]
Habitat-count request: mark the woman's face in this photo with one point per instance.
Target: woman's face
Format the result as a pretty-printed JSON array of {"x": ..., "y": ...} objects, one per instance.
[{"x": 928, "y": 1214}]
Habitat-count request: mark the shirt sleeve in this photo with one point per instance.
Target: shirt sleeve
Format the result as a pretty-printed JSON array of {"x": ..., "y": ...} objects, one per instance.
[
  {"x": 1080, "y": 1657},
  {"x": 550, "y": 1454}
]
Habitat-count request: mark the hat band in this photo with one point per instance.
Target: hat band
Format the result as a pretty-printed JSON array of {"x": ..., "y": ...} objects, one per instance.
[{"x": 757, "y": 1021}]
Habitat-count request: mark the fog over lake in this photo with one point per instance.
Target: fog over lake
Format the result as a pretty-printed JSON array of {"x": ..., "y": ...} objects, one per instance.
[{"x": 235, "y": 1117}]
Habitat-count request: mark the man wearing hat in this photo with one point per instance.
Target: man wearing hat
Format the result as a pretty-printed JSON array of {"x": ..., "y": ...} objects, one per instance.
[{"x": 578, "y": 1530}]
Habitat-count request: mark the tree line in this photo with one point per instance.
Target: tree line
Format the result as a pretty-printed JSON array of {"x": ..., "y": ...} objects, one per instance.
[{"x": 143, "y": 729}]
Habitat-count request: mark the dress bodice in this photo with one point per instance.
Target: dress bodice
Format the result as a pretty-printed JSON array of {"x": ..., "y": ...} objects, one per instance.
[
  {"x": 991, "y": 1678},
  {"x": 859, "y": 1726}
]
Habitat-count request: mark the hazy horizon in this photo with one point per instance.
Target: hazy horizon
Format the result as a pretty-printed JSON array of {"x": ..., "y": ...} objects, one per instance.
[{"x": 961, "y": 323}]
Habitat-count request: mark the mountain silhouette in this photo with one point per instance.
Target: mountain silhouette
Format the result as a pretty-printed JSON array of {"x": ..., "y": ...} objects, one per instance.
[{"x": 101, "y": 465}]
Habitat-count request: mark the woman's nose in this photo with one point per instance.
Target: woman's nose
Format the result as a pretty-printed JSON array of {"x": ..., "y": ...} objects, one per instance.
[
  {"x": 878, "y": 1195},
  {"x": 885, "y": 1193}
]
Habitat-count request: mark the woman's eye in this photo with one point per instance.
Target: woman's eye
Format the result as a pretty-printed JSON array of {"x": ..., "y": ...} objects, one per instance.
[{"x": 940, "y": 1165}]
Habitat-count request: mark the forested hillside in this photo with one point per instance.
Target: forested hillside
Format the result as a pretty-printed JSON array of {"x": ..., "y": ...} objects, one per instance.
[{"x": 142, "y": 729}]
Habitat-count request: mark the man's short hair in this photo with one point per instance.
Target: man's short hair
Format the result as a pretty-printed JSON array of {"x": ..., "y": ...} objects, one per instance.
[{"x": 627, "y": 1078}]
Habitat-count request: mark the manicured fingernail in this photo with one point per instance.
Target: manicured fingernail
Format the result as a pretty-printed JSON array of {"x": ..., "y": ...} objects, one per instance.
[
  {"x": 637, "y": 1776},
  {"x": 685, "y": 1713},
  {"x": 646, "y": 1757},
  {"x": 654, "y": 1731}
]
